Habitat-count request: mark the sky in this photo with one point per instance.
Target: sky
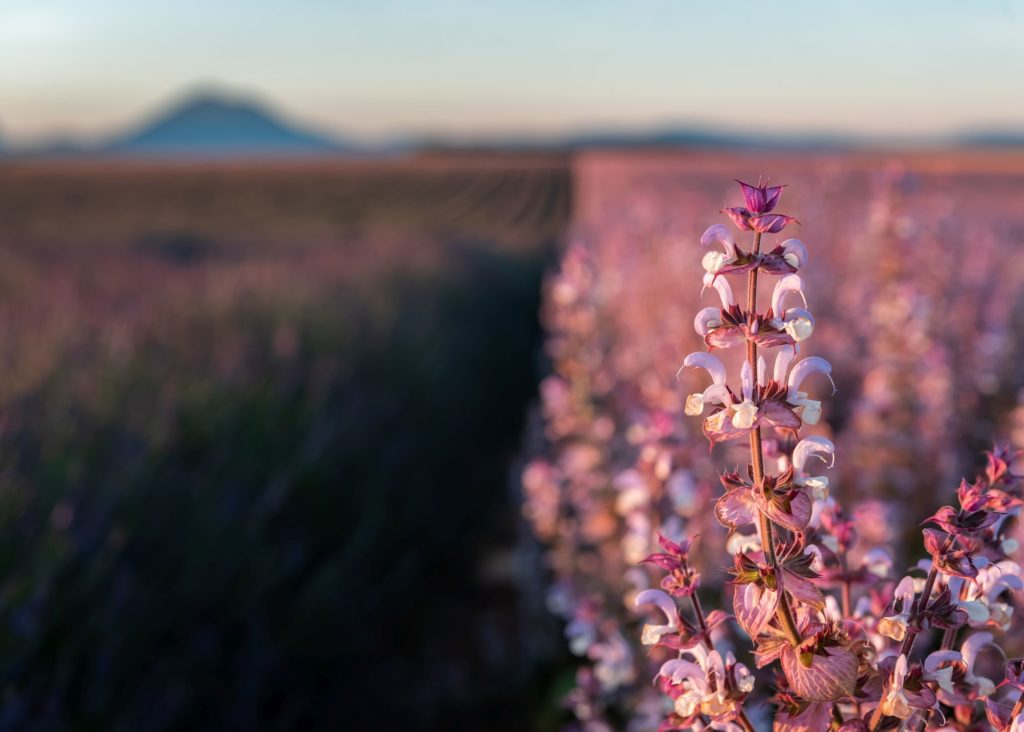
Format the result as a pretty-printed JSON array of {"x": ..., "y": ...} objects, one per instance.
[{"x": 376, "y": 68}]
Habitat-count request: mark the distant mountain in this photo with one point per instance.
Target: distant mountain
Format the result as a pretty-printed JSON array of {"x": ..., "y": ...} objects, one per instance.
[{"x": 215, "y": 124}]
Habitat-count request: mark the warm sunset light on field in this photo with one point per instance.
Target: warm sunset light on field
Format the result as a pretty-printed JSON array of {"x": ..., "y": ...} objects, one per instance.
[{"x": 461, "y": 366}]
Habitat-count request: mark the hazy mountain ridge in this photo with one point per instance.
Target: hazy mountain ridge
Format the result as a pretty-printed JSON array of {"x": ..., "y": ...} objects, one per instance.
[
  {"x": 203, "y": 124},
  {"x": 216, "y": 124},
  {"x": 210, "y": 123}
]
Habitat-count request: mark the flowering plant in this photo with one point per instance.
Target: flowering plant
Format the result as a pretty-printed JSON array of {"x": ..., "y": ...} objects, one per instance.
[{"x": 850, "y": 648}]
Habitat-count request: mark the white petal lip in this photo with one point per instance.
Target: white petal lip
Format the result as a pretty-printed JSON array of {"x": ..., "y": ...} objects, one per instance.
[
  {"x": 707, "y": 361},
  {"x": 792, "y": 323},
  {"x": 718, "y": 233},
  {"x": 745, "y": 415},
  {"x": 793, "y": 249},
  {"x": 712, "y": 262},
  {"x": 815, "y": 446},
  {"x": 786, "y": 285},
  {"x": 806, "y": 367}
]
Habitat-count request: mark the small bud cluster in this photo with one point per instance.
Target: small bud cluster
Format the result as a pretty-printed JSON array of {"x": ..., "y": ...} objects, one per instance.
[{"x": 837, "y": 630}]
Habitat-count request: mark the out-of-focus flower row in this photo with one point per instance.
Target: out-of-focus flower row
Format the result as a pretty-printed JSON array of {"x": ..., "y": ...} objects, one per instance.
[{"x": 915, "y": 307}]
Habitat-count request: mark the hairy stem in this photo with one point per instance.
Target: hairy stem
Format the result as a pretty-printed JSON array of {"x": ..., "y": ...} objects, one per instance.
[{"x": 765, "y": 524}]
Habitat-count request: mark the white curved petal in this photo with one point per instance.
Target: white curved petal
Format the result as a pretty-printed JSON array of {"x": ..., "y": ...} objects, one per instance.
[
  {"x": 719, "y": 233},
  {"x": 717, "y": 393},
  {"x": 934, "y": 660},
  {"x": 724, "y": 289},
  {"x": 707, "y": 319},
  {"x": 899, "y": 674},
  {"x": 786, "y": 285},
  {"x": 707, "y": 361},
  {"x": 678, "y": 669},
  {"x": 813, "y": 446},
  {"x": 934, "y": 669},
  {"x": 783, "y": 359},
  {"x": 905, "y": 591},
  {"x": 972, "y": 647},
  {"x": 806, "y": 367},
  {"x": 662, "y": 601},
  {"x": 747, "y": 380}
]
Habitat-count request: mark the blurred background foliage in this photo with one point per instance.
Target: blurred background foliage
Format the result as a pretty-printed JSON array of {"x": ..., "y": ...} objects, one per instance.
[{"x": 256, "y": 432}]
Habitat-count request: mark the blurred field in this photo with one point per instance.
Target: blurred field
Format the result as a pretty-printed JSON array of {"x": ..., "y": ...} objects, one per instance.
[
  {"x": 256, "y": 429},
  {"x": 258, "y": 420}
]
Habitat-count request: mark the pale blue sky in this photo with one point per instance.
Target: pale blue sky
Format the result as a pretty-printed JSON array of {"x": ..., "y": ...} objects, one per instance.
[{"x": 385, "y": 66}]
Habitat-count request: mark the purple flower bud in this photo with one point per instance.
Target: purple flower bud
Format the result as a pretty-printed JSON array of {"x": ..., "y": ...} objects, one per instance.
[
  {"x": 770, "y": 223},
  {"x": 760, "y": 199}
]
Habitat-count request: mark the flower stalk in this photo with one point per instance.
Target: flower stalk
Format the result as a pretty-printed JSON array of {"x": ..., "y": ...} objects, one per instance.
[{"x": 836, "y": 656}]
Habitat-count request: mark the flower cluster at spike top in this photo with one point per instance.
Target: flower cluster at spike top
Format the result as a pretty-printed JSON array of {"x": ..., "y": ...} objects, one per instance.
[{"x": 838, "y": 640}]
